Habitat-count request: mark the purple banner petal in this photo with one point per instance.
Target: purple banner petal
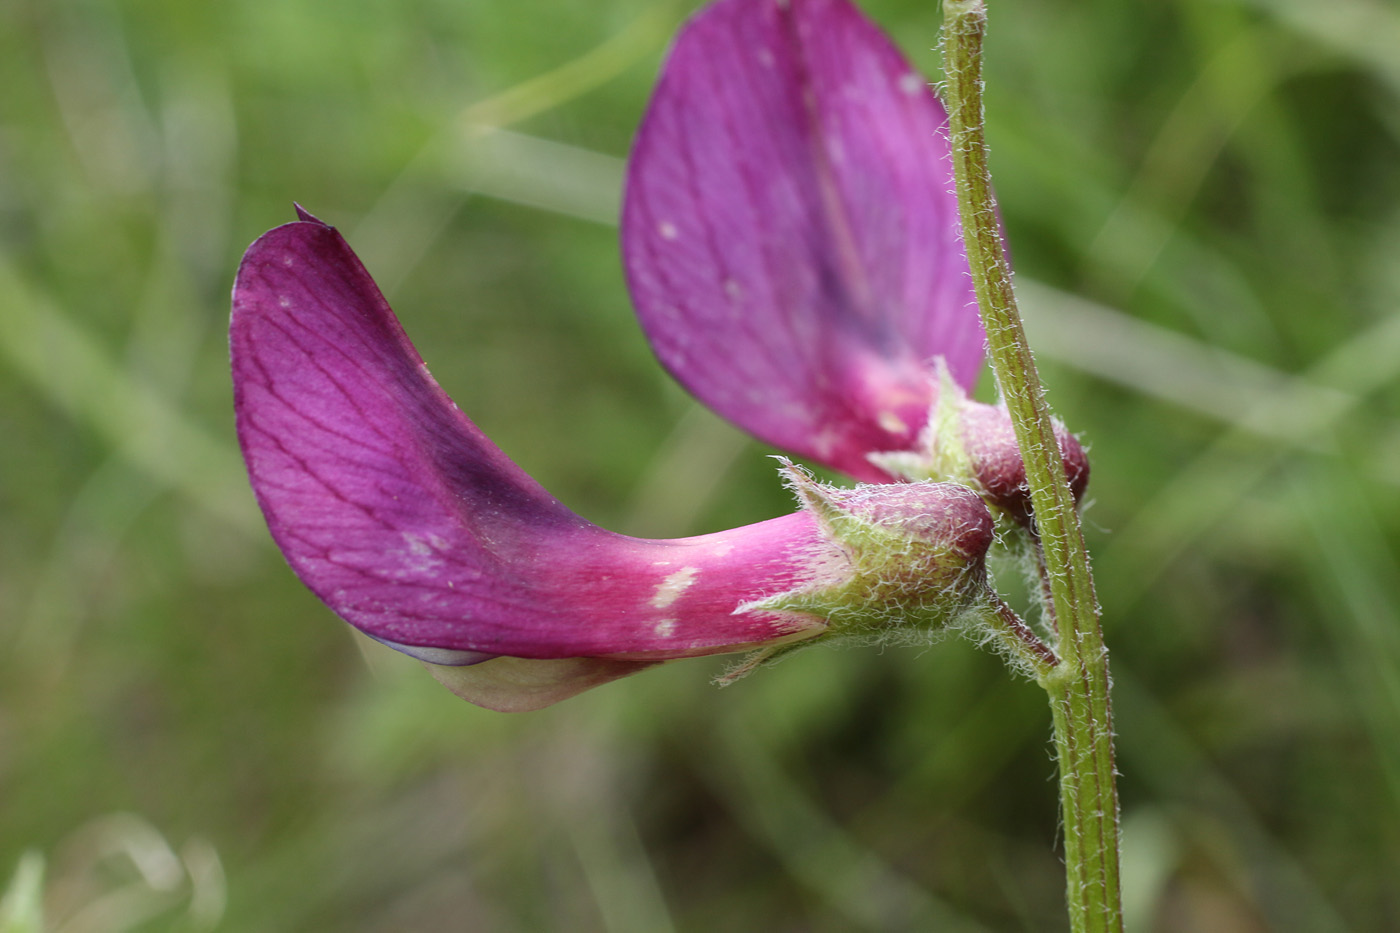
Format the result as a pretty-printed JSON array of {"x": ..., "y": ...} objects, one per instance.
[
  {"x": 409, "y": 523},
  {"x": 790, "y": 230}
]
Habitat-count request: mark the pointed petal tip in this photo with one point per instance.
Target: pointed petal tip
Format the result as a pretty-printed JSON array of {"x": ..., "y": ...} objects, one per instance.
[{"x": 306, "y": 216}]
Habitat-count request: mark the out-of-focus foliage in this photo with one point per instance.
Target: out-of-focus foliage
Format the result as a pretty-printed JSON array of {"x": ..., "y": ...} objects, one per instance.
[{"x": 1203, "y": 198}]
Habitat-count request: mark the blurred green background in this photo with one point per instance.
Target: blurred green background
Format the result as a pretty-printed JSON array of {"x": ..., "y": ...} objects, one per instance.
[{"x": 1203, "y": 198}]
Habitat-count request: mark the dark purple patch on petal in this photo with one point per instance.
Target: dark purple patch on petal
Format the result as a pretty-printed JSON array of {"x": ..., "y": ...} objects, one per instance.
[{"x": 790, "y": 230}]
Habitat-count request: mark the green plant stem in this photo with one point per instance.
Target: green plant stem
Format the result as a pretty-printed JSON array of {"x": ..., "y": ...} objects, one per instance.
[
  {"x": 1079, "y": 685},
  {"x": 1022, "y": 645}
]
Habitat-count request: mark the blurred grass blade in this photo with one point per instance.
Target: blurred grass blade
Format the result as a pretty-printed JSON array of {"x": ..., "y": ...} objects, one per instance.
[
  {"x": 539, "y": 173},
  {"x": 395, "y": 233},
  {"x": 22, "y": 906},
  {"x": 592, "y": 69},
  {"x": 1189, "y": 142},
  {"x": 819, "y": 853},
  {"x": 1168, "y": 365},
  {"x": 1157, "y": 750},
  {"x": 619, "y": 872},
  {"x": 68, "y": 365},
  {"x": 1354, "y": 567},
  {"x": 1366, "y": 31},
  {"x": 1205, "y": 490}
]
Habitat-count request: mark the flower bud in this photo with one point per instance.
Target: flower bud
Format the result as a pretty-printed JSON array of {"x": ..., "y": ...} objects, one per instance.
[
  {"x": 990, "y": 444},
  {"x": 975, "y": 444}
]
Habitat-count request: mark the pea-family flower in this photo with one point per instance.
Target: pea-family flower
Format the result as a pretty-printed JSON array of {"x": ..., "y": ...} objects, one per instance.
[
  {"x": 395, "y": 509},
  {"x": 791, "y": 243}
]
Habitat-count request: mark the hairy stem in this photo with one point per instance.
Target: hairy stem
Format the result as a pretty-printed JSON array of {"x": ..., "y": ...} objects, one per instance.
[
  {"x": 1020, "y": 641},
  {"x": 1079, "y": 685}
]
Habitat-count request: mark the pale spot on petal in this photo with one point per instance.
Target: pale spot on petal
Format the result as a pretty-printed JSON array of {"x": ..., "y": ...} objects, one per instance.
[
  {"x": 673, "y": 586},
  {"x": 911, "y": 83},
  {"x": 667, "y": 230},
  {"x": 422, "y": 555},
  {"x": 892, "y": 422},
  {"x": 665, "y": 628}
]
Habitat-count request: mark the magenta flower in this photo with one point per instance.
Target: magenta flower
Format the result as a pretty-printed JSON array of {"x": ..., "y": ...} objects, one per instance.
[
  {"x": 792, "y": 247},
  {"x": 411, "y": 525},
  {"x": 792, "y": 244}
]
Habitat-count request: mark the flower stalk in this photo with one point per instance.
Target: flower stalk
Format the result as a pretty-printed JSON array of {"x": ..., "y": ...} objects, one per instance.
[{"x": 1079, "y": 685}]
